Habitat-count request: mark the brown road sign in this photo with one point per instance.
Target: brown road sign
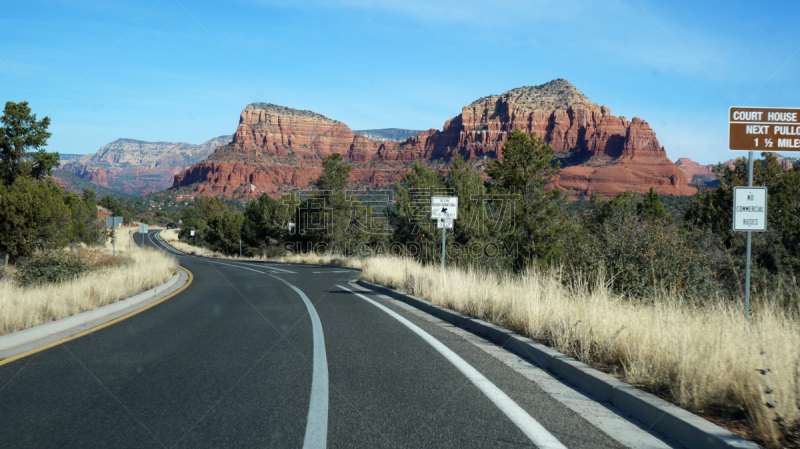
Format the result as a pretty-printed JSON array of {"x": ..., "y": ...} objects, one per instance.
[{"x": 764, "y": 129}]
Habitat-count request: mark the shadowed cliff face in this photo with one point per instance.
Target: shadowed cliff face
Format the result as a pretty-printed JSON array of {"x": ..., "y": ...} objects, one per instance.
[{"x": 276, "y": 148}]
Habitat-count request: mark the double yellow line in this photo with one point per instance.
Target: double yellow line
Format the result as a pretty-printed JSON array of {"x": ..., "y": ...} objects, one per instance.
[{"x": 97, "y": 328}]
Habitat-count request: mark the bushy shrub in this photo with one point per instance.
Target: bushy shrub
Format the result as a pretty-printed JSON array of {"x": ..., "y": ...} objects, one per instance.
[
  {"x": 51, "y": 266},
  {"x": 643, "y": 257}
]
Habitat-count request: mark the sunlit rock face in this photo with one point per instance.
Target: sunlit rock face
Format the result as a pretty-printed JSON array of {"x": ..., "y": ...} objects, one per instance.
[{"x": 276, "y": 149}]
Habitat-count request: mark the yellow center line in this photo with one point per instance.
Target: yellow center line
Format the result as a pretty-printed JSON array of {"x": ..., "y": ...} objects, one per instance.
[{"x": 97, "y": 328}]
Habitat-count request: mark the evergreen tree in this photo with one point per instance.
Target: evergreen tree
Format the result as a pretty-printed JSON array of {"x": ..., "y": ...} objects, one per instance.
[
  {"x": 526, "y": 169},
  {"x": 266, "y": 221},
  {"x": 342, "y": 227},
  {"x": 20, "y": 134},
  {"x": 33, "y": 215},
  {"x": 652, "y": 208},
  {"x": 471, "y": 229},
  {"x": 224, "y": 231},
  {"x": 411, "y": 216}
]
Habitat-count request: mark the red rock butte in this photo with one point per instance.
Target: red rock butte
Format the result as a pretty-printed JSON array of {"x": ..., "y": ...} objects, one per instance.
[{"x": 276, "y": 149}]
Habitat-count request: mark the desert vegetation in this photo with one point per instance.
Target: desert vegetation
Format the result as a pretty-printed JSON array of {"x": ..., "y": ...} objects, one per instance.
[
  {"x": 54, "y": 284},
  {"x": 55, "y": 252}
]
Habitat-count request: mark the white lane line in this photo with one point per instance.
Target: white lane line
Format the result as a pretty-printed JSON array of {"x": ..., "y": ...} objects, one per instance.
[
  {"x": 168, "y": 251},
  {"x": 164, "y": 242},
  {"x": 267, "y": 267},
  {"x": 529, "y": 426},
  {"x": 341, "y": 271},
  {"x": 235, "y": 266},
  {"x": 317, "y": 425},
  {"x": 271, "y": 267}
]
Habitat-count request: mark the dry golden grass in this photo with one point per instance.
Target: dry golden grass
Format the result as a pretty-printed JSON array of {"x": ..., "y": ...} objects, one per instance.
[
  {"x": 704, "y": 357},
  {"x": 113, "y": 279}
]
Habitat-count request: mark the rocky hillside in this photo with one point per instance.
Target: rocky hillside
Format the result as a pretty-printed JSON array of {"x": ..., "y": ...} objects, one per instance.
[
  {"x": 75, "y": 184},
  {"x": 387, "y": 134},
  {"x": 276, "y": 149},
  {"x": 137, "y": 167},
  {"x": 695, "y": 172}
]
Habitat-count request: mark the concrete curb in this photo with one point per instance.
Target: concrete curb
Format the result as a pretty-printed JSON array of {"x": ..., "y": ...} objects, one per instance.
[
  {"x": 685, "y": 427},
  {"x": 35, "y": 337}
]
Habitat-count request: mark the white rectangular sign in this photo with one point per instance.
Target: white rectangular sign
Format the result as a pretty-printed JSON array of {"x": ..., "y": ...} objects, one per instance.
[
  {"x": 444, "y": 223},
  {"x": 142, "y": 228},
  {"x": 444, "y": 207},
  {"x": 750, "y": 209}
]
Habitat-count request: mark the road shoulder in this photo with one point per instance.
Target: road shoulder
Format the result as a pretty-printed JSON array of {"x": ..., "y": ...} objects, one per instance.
[
  {"x": 27, "y": 341},
  {"x": 653, "y": 412}
]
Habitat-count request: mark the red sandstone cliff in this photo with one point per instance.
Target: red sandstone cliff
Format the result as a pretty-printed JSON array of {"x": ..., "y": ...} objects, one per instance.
[
  {"x": 695, "y": 171},
  {"x": 277, "y": 148}
]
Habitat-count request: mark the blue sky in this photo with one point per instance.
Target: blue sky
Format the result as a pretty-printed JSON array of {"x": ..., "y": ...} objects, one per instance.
[{"x": 183, "y": 70}]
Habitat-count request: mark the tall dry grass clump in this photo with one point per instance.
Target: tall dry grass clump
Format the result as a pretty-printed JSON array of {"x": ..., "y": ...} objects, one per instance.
[
  {"x": 109, "y": 280},
  {"x": 705, "y": 357}
]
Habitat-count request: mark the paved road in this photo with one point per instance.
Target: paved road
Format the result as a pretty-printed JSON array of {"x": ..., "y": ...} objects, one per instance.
[{"x": 262, "y": 354}]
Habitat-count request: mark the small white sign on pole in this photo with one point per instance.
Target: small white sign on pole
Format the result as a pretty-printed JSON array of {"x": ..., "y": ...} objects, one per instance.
[
  {"x": 444, "y": 207},
  {"x": 191, "y": 233},
  {"x": 446, "y": 223},
  {"x": 142, "y": 228},
  {"x": 750, "y": 209}
]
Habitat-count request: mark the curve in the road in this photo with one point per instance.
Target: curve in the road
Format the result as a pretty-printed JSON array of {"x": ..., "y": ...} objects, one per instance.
[{"x": 316, "y": 434}]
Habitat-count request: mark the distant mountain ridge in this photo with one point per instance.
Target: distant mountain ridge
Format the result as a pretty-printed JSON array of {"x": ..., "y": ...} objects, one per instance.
[
  {"x": 138, "y": 167},
  {"x": 388, "y": 134}
]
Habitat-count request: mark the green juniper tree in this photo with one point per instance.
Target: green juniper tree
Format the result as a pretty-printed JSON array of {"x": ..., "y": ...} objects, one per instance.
[
  {"x": 21, "y": 140},
  {"x": 410, "y": 218},
  {"x": 526, "y": 169}
]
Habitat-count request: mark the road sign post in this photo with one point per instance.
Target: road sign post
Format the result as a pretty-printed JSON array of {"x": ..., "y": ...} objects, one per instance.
[
  {"x": 113, "y": 222},
  {"x": 749, "y": 215},
  {"x": 767, "y": 129},
  {"x": 444, "y": 208}
]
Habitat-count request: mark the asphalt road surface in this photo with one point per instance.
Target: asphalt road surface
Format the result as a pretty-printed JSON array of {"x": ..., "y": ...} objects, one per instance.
[{"x": 269, "y": 355}]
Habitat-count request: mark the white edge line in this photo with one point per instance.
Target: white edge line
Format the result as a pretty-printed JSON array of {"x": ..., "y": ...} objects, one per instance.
[
  {"x": 529, "y": 426},
  {"x": 317, "y": 425},
  {"x": 316, "y": 436}
]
